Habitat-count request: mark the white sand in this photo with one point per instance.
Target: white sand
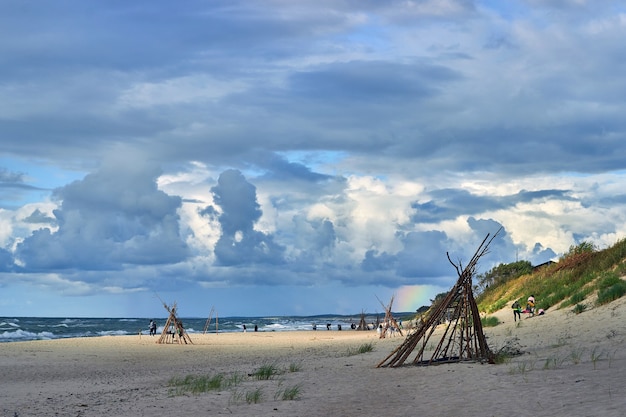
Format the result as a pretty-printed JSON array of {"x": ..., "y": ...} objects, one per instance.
[{"x": 573, "y": 365}]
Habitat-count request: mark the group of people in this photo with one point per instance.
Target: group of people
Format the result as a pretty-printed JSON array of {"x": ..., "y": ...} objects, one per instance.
[
  {"x": 245, "y": 329},
  {"x": 530, "y": 308}
]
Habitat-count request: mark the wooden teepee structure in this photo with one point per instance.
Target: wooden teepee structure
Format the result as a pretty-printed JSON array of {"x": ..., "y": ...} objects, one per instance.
[
  {"x": 463, "y": 338},
  {"x": 173, "y": 331},
  {"x": 390, "y": 325},
  {"x": 208, "y": 321},
  {"x": 362, "y": 323}
]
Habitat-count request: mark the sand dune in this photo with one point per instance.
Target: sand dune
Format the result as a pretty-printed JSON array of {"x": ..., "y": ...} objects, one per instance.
[{"x": 573, "y": 365}]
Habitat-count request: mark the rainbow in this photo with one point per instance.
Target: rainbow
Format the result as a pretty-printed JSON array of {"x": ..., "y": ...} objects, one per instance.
[{"x": 412, "y": 297}]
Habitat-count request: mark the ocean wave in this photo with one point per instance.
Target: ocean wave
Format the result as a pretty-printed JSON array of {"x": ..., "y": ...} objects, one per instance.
[
  {"x": 25, "y": 335},
  {"x": 113, "y": 333}
]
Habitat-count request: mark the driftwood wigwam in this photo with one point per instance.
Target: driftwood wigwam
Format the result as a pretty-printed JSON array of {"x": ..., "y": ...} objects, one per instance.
[
  {"x": 463, "y": 338},
  {"x": 173, "y": 331},
  {"x": 362, "y": 323},
  {"x": 208, "y": 321},
  {"x": 390, "y": 325}
]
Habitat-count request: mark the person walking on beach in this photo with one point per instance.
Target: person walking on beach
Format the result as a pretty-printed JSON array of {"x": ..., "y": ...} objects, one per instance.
[
  {"x": 530, "y": 305},
  {"x": 153, "y": 328},
  {"x": 517, "y": 310},
  {"x": 244, "y": 328}
]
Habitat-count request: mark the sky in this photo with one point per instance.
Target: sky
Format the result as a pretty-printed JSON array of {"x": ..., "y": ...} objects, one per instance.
[{"x": 299, "y": 157}]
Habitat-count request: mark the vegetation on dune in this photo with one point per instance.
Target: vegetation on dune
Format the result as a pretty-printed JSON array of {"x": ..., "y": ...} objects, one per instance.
[
  {"x": 580, "y": 273},
  {"x": 236, "y": 383}
]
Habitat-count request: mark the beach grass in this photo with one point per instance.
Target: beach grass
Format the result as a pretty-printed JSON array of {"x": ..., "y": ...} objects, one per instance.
[
  {"x": 255, "y": 396},
  {"x": 364, "y": 348},
  {"x": 289, "y": 394},
  {"x": 610, "y": 288},
  {"x": 266, "y": 371},
  {"x": 579, "y": 308},
  {"x": 295, "y": 367},
  {"x": 198, "y": 384}
]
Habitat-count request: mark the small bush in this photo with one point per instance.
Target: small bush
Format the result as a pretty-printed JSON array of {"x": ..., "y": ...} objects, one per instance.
[
  {"x": 489, "y": 321},
  {"x": 608, "y": 280},
  {"x": 579, "y": 308},
  {"x": 576, "y": 298},
  {"x": 611, "y": 293},
  {"x": 505, "y": 353}
]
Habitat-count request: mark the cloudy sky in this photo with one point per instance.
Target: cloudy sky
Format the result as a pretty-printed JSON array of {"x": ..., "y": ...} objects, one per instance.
[{"x": 299, "y": 157}]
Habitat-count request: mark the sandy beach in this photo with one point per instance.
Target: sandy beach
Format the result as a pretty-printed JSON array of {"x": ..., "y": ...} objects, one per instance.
[{"x": 572, "y": 365}]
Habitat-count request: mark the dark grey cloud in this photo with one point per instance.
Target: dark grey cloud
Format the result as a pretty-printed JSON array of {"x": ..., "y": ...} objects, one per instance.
[
  {"x": 542, "y": 255},
  {"x": 375, "y": 260},
  {"x": 368, "y": 83},
  {"x": 240, "y": 243},
  {"x": 314, "y": 240},
  {"x": 422, "y": 260},
  {"x": 38, "y": 217},
  {"x": 13, "y": 187},
  {"x": 281, "y": 169},
  {"x": 111, "y": 218},
  {"x": 6, "y": 262},
  {"x": 447, "y": 204},
  {"x": 7, "y": 177},
  {"x": 424, "y": 256},
  {"x": 445, "y": 103}
]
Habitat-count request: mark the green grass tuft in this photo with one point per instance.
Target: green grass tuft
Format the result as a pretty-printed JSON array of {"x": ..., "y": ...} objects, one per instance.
[
  {"x": 198, "y": 384},
  {"x": 265, "y": 372},
  {"x": 294, "y": 367},
  {"x": 364, "y": 348},
  {"x": 579, "y": 308},
  {"x": 611, "y": 293},
  {"x": 254, "y": 397},
  {"x": 288, "y": 394}
]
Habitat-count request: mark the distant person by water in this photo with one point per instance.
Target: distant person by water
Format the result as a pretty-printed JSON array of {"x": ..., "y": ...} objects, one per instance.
[{"x": 153, "y": 328}]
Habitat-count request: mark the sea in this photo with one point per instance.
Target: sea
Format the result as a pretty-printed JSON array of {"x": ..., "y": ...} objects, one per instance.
[{"x": 14, "y": 329}]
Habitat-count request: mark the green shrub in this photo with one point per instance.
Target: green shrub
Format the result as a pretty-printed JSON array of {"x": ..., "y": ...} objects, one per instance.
[
  {"x": 611, "y": 293},
  {"x": 489, "y": 321},
  {"x": 608, "y": 280},
  {"x": 577, "y": 298},
  {"x": 579, "y": 308}
]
